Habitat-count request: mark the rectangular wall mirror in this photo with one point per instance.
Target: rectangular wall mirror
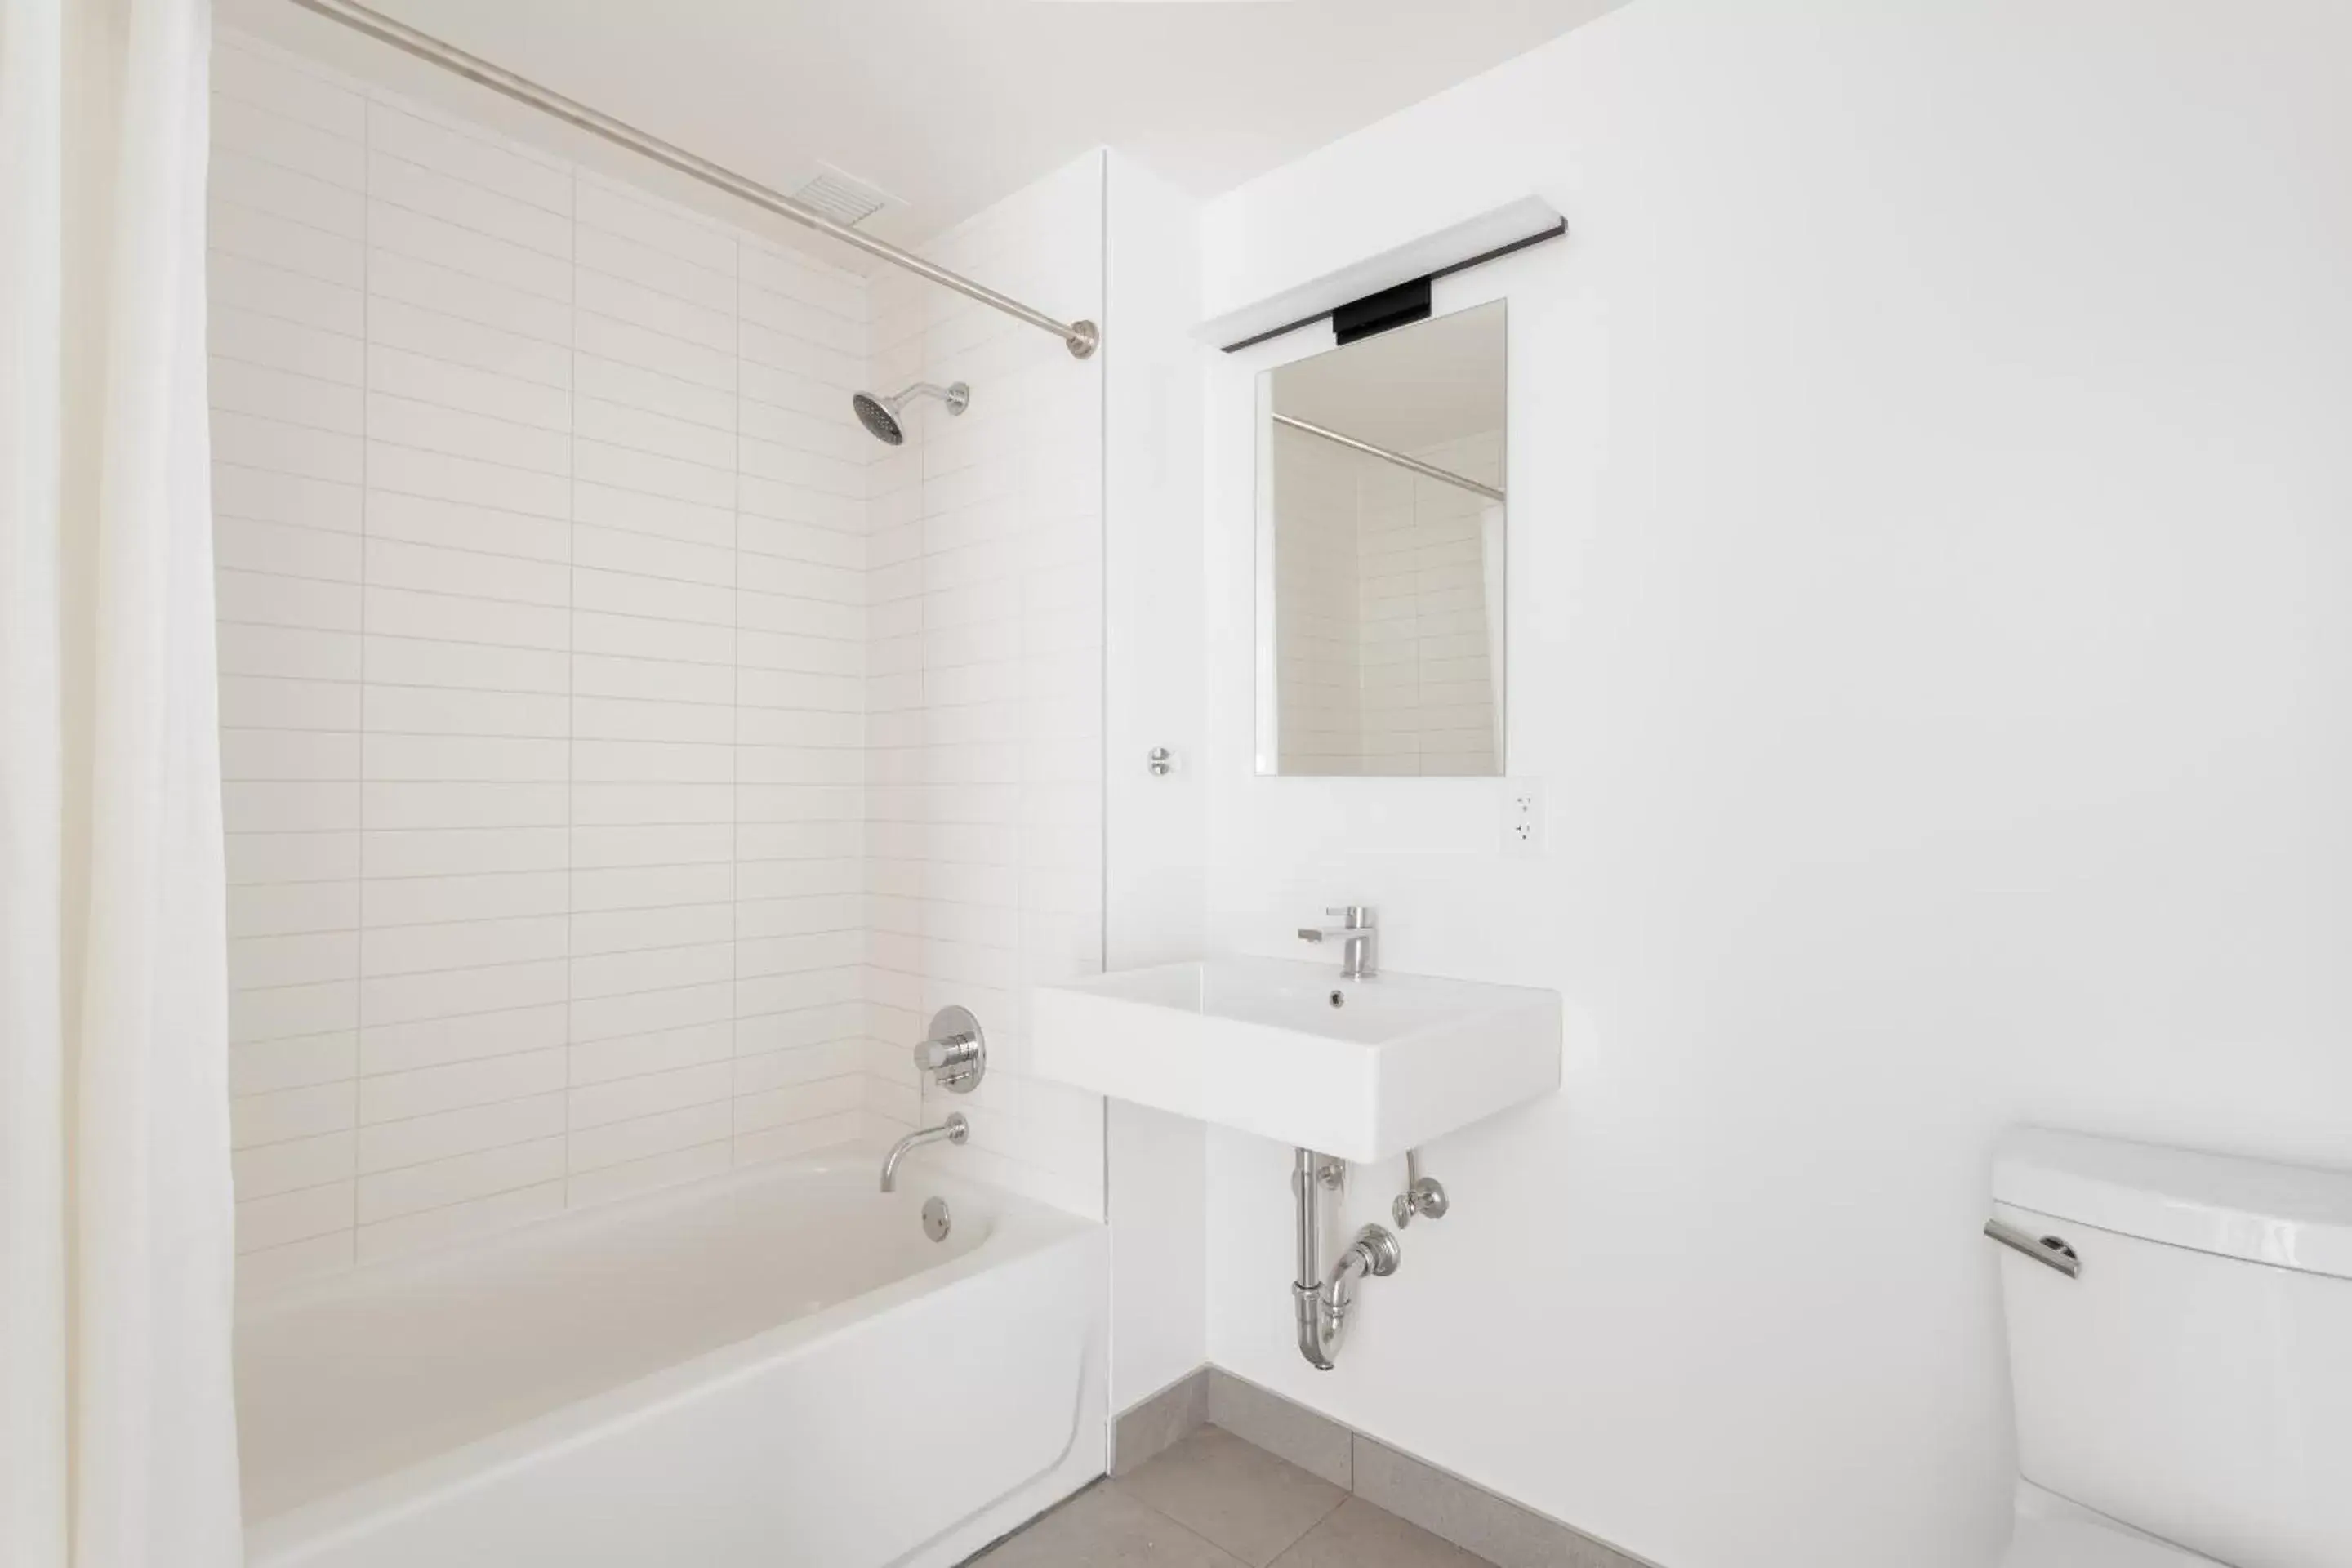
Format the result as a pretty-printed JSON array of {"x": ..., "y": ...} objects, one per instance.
[{"x": 1379, "y": 556}]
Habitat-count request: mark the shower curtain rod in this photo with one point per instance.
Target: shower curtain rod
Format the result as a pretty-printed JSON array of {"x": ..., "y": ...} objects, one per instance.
[
  {"x": 1427, "y": 470},
  {"x": 1080, "y": 337}
]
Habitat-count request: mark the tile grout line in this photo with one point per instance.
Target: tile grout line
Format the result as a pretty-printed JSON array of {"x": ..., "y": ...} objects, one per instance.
[
  {"x": 359, "y": 989},
  {"x": 571, "y": 667},
  {"x": 735, "y": 749}
]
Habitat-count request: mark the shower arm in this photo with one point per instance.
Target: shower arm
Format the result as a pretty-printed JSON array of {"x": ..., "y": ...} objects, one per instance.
[
  {"x": 956, "y": 397},
  {"x": 1080, "y": 337}
]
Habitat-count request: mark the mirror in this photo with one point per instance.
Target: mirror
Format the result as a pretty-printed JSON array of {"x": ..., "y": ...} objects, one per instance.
[{"x": 1379, "y": 591}]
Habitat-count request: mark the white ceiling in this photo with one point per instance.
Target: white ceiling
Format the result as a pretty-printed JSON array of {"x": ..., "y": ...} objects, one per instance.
[{"x": 949, "y": 105}]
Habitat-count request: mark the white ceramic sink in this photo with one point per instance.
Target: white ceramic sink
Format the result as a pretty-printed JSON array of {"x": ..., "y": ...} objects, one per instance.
[{"x": 1360, "y": 1068}]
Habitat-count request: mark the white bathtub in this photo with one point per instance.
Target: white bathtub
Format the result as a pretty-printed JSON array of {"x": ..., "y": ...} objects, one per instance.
[{"x": 776, "y": 1368}]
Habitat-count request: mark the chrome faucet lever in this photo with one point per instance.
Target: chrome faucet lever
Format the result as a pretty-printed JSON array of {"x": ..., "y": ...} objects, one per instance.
[
  {"x": 954, "y": 1130},
  {"x": 1358, "y": 933}
]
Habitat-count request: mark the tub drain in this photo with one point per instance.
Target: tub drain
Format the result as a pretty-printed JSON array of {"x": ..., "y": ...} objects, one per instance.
[{"x": 935, "y": 1218}]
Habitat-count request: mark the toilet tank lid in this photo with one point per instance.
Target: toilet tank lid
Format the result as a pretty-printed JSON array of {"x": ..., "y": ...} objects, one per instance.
[{"x": 2292, "y": 1217}]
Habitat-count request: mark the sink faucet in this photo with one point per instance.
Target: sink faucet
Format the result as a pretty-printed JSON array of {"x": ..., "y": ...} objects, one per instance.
[
  {"x": 1360, "y": 957},
  {"x": 954, "y": 1130}
]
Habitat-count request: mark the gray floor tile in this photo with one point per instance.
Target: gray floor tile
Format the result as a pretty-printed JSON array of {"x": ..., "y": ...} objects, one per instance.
[
  {"x": 1315, "y": 1444},
  {"x": 1359, "y": 1535},
  {"x": 1498, "y": 1530},
  {"x": 1102, "y": 1527},
  {"x": 1239, "y": 1497}
]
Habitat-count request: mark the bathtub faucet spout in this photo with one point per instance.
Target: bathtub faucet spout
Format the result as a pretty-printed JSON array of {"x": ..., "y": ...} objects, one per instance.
[{"x": 954, "y": 1130}]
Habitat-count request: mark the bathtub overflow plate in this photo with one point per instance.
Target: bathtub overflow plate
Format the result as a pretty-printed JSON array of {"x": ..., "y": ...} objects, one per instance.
[{"x": 935, "y": 1218}]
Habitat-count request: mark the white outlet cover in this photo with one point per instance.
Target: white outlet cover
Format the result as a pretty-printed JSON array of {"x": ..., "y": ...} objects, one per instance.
[{"x": 1523, "y": 817}]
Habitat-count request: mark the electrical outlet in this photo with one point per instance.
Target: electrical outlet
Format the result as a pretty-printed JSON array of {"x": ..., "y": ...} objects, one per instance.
[{"x": 1523, "y": 817}]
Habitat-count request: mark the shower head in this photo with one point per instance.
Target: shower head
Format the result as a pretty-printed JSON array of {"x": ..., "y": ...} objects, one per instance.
[
  {"x": 877, "y": 416},
  {"x": 880, "y": 414}
]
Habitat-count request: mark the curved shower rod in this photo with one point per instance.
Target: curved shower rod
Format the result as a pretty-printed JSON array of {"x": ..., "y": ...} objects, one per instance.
[{"x": 1080, "y": 337}]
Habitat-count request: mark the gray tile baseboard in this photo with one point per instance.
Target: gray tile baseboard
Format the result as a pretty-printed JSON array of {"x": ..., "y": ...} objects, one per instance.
[
  {"x": 1315, "y": 1444},
  {"x": 1158, "y": 1421},
  {"x": 1471, "y": 1517},
  {"x": 1480, "y": 1522}
]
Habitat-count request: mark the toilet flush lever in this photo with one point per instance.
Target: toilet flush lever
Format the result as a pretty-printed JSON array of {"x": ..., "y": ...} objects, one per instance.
[{"x": 2051, "y": 1250}]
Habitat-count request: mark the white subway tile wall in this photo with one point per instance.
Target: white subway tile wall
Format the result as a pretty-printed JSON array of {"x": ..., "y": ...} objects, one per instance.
[
  {"x": 1387, "y": 647},
  {"x": 544, "y": 548},
  {"x": 984, "y": 692},
  {"x": 1429, "y": 646},
  {"x": 1319, "y": 644}
]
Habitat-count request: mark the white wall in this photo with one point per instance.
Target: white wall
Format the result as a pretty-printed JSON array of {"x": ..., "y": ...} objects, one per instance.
[
  {"x": 1154, "y": 841},
  {"x": 986, "y": 685},
  {"x": 1929, "y": 550},
  {"x": 541, "y": 526}
]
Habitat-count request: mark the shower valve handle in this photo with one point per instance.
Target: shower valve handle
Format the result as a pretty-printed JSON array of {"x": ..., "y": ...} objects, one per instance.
[{"x": 956, "y": 1056}]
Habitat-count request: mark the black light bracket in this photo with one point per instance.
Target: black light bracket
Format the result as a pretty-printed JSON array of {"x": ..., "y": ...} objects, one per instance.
[
  {"x": 1397, "y": 306},
  {"x": 1376, "y": 313}
]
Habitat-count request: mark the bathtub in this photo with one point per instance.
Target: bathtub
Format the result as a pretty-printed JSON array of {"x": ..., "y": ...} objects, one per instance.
[{"x": 775, "y": 1368}]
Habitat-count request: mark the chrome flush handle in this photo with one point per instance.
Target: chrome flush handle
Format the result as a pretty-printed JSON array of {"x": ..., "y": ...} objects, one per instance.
[{"x": 2051, "y": 1250}]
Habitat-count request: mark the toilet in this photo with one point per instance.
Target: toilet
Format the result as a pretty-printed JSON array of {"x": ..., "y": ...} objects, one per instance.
[{"x": 2180, "y": 1353}]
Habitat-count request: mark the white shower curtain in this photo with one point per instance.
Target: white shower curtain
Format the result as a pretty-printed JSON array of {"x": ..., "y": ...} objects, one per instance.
[{"x": 118, "y": 1443}]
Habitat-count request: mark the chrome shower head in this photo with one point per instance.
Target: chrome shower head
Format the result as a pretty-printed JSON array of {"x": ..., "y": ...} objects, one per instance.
[
  {"x": 877, "y": 416},
  {"x": 880, "y": 414}
]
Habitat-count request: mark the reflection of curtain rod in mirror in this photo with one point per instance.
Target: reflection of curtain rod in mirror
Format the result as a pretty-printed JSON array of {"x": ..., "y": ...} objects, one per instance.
[{"x": 1427, "y": 470}]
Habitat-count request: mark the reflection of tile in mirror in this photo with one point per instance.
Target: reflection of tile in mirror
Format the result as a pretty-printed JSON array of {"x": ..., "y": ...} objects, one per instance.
[{"x": 1388, "y": 581}]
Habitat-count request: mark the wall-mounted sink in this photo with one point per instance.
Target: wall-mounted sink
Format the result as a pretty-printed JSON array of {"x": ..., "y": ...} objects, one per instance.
[{"x": 1360, "y": 1068}]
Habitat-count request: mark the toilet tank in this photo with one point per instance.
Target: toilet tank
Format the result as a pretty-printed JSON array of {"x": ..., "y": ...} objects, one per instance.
[{"x": 2194, "y": 1381}]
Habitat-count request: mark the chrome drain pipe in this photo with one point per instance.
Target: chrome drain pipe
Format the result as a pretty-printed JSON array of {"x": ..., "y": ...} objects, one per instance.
[
  {"x": 1307, "y": 1285},
  {"x": 1321, "y": 1310}
]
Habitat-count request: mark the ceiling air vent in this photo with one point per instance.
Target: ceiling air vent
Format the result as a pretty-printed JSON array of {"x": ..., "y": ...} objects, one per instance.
[{"x": 840, "y": 197}]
